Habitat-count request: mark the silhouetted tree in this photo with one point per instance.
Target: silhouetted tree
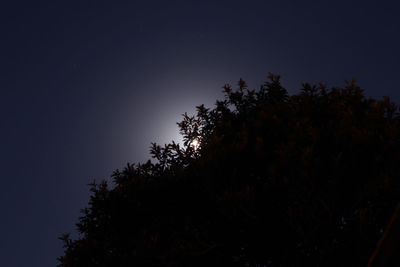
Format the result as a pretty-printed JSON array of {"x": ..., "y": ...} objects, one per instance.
[{"x": 309, "y": 179}]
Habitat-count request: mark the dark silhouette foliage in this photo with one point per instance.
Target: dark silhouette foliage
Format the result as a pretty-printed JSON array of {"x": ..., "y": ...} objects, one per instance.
[{"x": 304, "y": 180}]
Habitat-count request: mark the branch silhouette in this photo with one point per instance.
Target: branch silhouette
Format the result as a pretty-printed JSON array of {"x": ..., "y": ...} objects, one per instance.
[{"x": 309, "y": 179}]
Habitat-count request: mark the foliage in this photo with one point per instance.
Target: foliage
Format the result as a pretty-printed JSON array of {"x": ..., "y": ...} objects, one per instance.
[{"x": 309, "y": 179}]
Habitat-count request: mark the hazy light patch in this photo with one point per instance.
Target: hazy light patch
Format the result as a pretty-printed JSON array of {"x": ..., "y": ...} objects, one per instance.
[
  {"x": 195, "y": 144},
  {"x": 183, "y": 89}
]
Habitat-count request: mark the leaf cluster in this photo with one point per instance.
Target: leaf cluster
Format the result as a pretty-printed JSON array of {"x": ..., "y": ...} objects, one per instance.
[{"x": 278, "y": 180}]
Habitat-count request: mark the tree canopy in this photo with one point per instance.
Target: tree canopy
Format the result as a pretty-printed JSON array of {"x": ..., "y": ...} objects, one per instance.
[{"x": 275, "y": 180}]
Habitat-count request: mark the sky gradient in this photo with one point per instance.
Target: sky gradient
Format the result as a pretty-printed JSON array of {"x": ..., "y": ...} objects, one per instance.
[{"x": 86, "y": 86}]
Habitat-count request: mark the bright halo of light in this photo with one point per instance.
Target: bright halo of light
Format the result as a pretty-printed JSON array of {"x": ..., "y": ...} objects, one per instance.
[{"x": 195, "y": 144}]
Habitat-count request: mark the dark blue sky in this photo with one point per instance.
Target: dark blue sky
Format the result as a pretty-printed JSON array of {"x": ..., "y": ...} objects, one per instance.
[{"x": 86, "y": 86}]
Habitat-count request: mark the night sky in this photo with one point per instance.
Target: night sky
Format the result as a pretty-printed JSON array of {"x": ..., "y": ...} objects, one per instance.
[{"x": 86, "y": 86}]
